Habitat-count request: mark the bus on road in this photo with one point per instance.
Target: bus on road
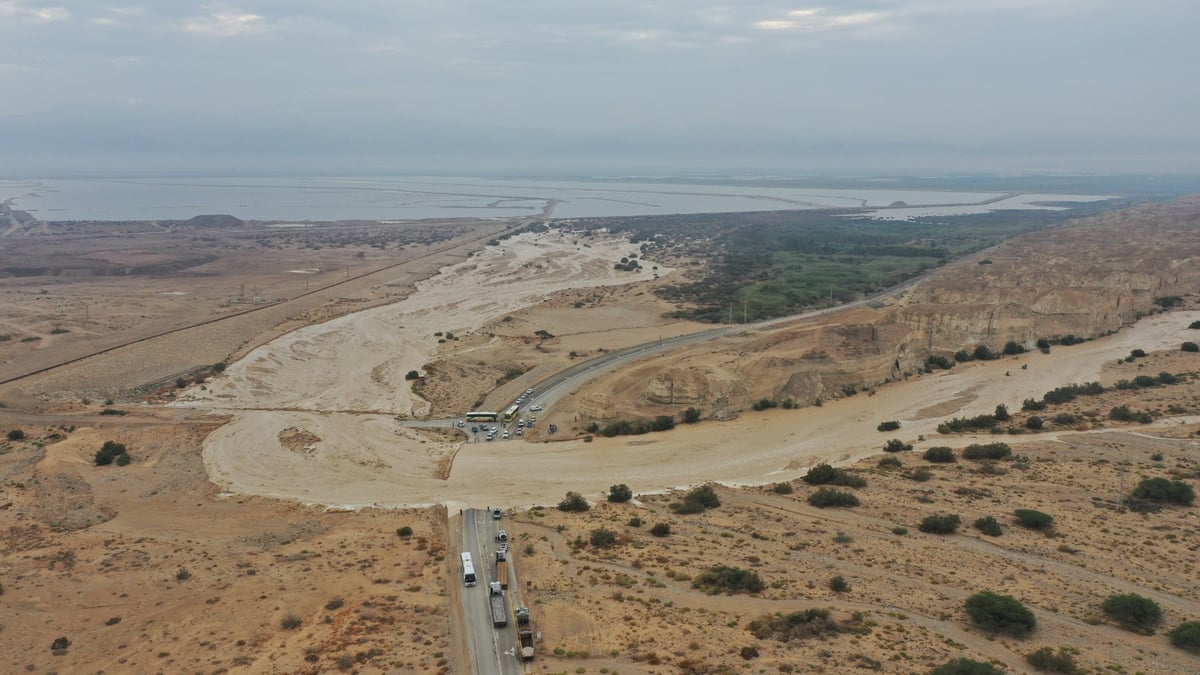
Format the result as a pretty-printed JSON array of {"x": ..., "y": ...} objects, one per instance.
[
  {"x": 511, "y": 414},
  {"x": 468, "y": 570},
  {"x": 480, "y": 416}
]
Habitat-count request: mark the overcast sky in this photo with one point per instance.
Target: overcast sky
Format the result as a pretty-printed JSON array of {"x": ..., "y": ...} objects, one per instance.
[{"x": 612, "y": 85}]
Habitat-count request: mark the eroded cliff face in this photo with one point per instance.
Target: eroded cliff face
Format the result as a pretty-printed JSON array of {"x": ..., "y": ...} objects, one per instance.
[{"x": 1087, "y": 278}]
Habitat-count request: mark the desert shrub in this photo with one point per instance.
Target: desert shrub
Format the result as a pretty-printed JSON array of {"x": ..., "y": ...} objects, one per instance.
[
  {"x": 1013, "y": 347},
  {"x": 412, "y": 375},
  {"x": 182, "y": 574},
  {"x": 1186, "y": 635},
  {"x": 619, "y": 493},
  {"x": 888, "y": 426},
  {"x": 108, "y": 452},
  {"x": 635, "y": 522},
  {"x": 663, "y": 423},
  {"x": 987, "y": 451},
  {"x": 1000, "y": 614},
  {"x": 1190, "y": 347},
  {"x": 823, "y": 474},
  {"x": 1167, "y": 378},
  {"x": 660, "y": 529},
  {"x": 16, "y": 435},
  {"x": 1044, "y": 345},
  {"x": 1066, "y": 419},
  {"x": 934, "y": 361},
  {"x": 940, "y": 523},
  {"x": 1164, "y": 490},
  {"x": 691, "y": 415},
  {"x": 724, "y": 579},
  {"x": 291, "y": 622},
  {"x": 334, "y": 603},
  {"x": 940, "y": 455},
  {"x": 1194, "y": 325},
  {"x": 920, "y": 474},
  {"x": 1133, "y": 612},
  {"x": 989, "y": 526},
  {"x": 1032, "y": 405},
  {"x": 574, "y": 502},
  {"x": 962, "y": 356},
  {"x": 405, "y": 531},
  {"x": 603, "y": 538},
  {"x": 1034, "y": 422},
  {"x": 812, "y": 622},
  {"x": 1001, "y": 413},
  {"x": 114, "y": 411},
  {"x": 839, "y": 584},
  {"x": 899, "y": 530},
  {"x": 1050, "y": 661},
  {"x": 782, "y": 488},
  {"x": 826, "y": 497},
  {"x": 764, "y": 404},
  {"x": 960, "y": 424},
  {"x": 890, "y": 461},
  {"x": 896, "y": 445},
  {"x": 697, "y": 500},
  {"x": 965, "y": 666},
  {"x": 1034, "y": 520},
  {"x": 124, "y": 459},
  {"x": 983, "y": 353}
]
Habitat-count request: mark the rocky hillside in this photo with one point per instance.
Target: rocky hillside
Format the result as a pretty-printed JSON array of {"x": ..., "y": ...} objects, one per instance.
[{"x": 1087, "y": 278}]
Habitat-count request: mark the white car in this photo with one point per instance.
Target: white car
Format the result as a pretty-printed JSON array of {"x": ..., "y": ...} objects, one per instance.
[
  {"x": 504, "y": 435},
  {"x": 535, "y": 408}
]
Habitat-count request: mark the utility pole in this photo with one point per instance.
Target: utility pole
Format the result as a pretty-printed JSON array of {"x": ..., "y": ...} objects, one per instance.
[{"x": 743, "y": 311}]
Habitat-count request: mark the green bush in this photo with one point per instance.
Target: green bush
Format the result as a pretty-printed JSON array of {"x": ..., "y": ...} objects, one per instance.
[
  {"x": 1186, "y": 635},
  {"x": 919, "y": 474},
  {"x": 823, "y": 474},
  {"x": 1163, "y": 490},
  {"x": 989, "y": 526},
  {"x": 782, "y": 488},
  {"x": 839, "y": 584},
  {"x": 291, "y": 622},
  {"x": 1133, "y": 612},
  {"x": 965, "y": 666},
  {"x": 635, "y": 522},
  {"x": 888, "y": 426},
  {"x": 1034, "y": 520},
  {"x": 724, "y": 579},
  {"x": 660, "y": 529},
  {"x": 603, "y": 538},
  {"x": 1034, "y": 422},
  {"x": 983, "y": 353},
  {"x": 691, "y": 415},
  {"x": 962, "y": 356},
  {"x": 896, "y": 445},
  {"x": 826, "y": 497},
  {"x": 987, "y": 451},
  {"x": 16, "y": 435},
  {"x": 108, "y": 452},
  {"x": 574, "y": 502},
  {"x": 899, "y": 530},
  {"x": 941, "y": 523},
  {"x": 1190, "y": 347},
  {"x": 412, "y": 375},
  {"x": 809, "y": 623},
  {"x": 697, "y": 500},
  {"x": 1066, "y": 419},
  {"x": 940, "y": 455},
  {"x": 620, "y": 493},
  {"x": 890, "y": 462},
  {"x": 1032, "y": 405},
  {"x": 124, "y": 459},
  {"x": 1000, "y": 614},
  {"x": 1012, "y": 347},
  {"x": 1049, "y": 661},
  {"x": 404, "y": 532},
  {"x": 1001, "y": 414}
]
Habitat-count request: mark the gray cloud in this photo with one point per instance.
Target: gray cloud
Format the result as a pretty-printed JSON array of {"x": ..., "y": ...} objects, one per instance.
[{"x": 1093, "y": 83}]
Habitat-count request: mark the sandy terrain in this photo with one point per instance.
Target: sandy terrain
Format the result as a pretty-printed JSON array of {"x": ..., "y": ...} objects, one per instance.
[
  {"x": 184, "y": 561},
  {"x": 370, "y": 459}
]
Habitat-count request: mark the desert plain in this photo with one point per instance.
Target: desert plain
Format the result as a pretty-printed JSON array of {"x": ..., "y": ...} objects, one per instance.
[{"x": 256, "y": 527}]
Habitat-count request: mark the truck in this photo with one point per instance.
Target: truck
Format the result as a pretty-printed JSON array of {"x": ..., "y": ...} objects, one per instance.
[
  {"x": 501, "y": 571},
  {"x": 524, "y": 633},
  {"x": 499, "y": 610}
]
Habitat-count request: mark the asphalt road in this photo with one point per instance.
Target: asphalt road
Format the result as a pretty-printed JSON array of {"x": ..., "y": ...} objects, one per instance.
[{"x": 493, "y": 650}]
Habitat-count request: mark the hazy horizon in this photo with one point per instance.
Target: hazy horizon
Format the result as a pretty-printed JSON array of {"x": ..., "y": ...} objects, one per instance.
[{"x": 762, "y": 86}]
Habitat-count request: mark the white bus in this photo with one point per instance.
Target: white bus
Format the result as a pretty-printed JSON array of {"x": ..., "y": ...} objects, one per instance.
[{"x": 468, "y": 570}]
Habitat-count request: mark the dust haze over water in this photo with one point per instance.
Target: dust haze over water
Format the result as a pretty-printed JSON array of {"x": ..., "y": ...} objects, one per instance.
[{"x": 374, "y": 88}]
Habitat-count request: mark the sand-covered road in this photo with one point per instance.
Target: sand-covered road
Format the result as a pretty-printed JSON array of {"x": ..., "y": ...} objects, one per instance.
[{"x": 357, "y": 363}]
